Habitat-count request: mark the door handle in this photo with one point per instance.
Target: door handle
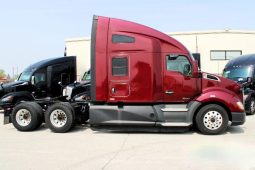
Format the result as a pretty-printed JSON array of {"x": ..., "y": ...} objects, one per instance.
[
  {"x": 113, "y": 90},
  {"x": 169, "y": 92}
]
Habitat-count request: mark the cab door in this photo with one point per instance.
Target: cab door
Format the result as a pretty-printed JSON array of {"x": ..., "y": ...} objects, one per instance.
[
  {"x": 179, "y": 83},
  {"x": 119, "y": 87}
]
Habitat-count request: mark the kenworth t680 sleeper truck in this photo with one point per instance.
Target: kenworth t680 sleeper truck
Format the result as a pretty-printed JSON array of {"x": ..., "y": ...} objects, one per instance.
[{"x": 141, "y": 79}]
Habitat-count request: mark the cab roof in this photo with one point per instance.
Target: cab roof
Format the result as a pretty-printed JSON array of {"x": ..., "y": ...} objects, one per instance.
[
  {"x": 48, "y": 62},
  {"x": 243, "y": 60}
]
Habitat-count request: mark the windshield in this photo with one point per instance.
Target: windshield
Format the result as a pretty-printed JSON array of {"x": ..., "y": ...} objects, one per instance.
[
  {"x": 238, "y": 73},
  {"x": 25, "y": 76},
  {"x": 86, "y": 76}
]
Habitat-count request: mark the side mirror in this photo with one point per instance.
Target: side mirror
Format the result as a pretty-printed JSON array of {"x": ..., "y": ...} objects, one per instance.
[
  {"x": 187, "y": 70},
  {"x": 33, "y": 80},
  {"x": 197, "y": 58}
]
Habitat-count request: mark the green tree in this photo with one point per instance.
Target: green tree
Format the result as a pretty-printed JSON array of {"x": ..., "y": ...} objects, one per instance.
[{"x": 2, "y": 73}]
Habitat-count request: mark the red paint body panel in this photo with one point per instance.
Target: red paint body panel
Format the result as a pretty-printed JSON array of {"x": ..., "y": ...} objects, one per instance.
[
  {"x": 147, "y": 78},
  {"x": 221, "y": 95},
  {"x": 101, "y": 59}
]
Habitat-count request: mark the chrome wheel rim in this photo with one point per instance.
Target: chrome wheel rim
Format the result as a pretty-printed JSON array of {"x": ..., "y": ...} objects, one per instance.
[
  {"x": 212, "y": 120},
  {"x": 252, "y": 106},
  {"x": 23, "y": 117},
  {"x": 58, "y": 118}
]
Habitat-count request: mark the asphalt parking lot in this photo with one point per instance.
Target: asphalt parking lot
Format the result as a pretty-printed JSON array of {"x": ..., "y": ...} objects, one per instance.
[{"x": 83, "y": 148}]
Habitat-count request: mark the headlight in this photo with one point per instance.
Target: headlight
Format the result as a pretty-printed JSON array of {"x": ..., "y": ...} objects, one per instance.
[
  {"x": 240, "y": 105},
  {"x": 64, "y": 92},
  {"x": 67, "y": 91},
  {"x": 80, "y": 98},
  {"x": 83, "y": 97},
  {"x": 7, "y": 99}
]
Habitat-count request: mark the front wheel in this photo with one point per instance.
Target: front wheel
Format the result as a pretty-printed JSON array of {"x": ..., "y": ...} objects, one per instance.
[
  {"x": 212, "y": 119},
  {"x": 60, "y": 117}
]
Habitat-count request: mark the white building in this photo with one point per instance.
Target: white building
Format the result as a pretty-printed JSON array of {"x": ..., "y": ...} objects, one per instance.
[{"x": 215, "y": 48}]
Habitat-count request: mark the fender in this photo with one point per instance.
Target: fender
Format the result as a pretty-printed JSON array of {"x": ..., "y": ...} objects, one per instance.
[
  {"x": 220, "y": 95},
  {"x": 11, "y": 99}
]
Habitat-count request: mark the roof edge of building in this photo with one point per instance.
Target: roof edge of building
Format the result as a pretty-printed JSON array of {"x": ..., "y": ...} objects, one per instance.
[
  {"x": 225, "y": 31},
  {"x": 77, "y": 39}
]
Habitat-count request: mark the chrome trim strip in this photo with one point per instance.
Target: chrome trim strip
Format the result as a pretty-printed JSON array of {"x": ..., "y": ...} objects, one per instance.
[{"x": 174, "y": 109}]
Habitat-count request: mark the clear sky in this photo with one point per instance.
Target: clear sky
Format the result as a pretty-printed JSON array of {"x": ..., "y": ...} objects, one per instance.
[{"x": 32, "y": 30}]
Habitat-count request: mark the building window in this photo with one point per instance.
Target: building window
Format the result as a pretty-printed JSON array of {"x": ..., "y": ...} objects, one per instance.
[
  {"x": 225, "y": 54},
  {"x": 120, "y": 66},
  {"x": 122, "y": 39}
]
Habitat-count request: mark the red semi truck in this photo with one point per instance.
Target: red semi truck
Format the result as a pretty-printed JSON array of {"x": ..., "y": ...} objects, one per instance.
[{"x": 141, "y": 79}]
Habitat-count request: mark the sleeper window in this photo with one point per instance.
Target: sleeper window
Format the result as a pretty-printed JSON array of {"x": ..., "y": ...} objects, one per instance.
[
  {"x": 120, "y": 66},
  {"x": 122, "y": 39}
]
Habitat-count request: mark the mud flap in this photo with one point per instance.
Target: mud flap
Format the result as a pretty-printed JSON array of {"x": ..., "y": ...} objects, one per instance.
[{"x": 7, "y": 116}]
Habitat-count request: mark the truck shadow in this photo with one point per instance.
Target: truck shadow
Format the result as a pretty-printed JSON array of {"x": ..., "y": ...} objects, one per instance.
[
  {"x": 184, "y": 131},
  {"x": 190, "y": 131},
  {"x": 79, "y": 128},
  {"x": 235, "y": 130},
  {"x": 76, "y": 128}
]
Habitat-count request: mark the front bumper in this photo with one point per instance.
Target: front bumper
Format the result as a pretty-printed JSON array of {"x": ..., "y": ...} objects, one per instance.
[
  {"x": 4, "y": 105},
  {"x": 238, "y": 118}
]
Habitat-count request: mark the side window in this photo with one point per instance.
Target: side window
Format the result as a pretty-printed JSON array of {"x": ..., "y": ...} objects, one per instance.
[
  {"x": 40, "y": 76},
  {"x": 179, "y": 63},
  {"x": 86, "y": 76},
  {"x": 120, "y": 66},
  {"x": 122, "y": 39}
]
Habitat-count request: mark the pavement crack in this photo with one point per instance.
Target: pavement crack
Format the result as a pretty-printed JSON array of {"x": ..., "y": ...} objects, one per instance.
[{"x": 116, "y": 154}]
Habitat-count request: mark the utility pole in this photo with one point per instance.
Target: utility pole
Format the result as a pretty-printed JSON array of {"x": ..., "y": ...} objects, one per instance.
[
  {"x": 196, "y": 45},
  {"x": 12, "y": 72}
]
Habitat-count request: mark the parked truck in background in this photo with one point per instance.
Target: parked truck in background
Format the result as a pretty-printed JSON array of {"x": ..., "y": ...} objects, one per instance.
[
  {"x": 79, "y": 91},
  {"x": 241, "y": 70},
  {"x": 39, "y": 80},
  {"x": 141, "y": 79}
]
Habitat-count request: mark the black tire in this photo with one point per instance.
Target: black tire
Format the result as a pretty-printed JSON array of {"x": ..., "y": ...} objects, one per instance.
[
  {"x": 212, "y": 119},
  {"x": 251, "y": 106},
  {"x": 59, "y": 117},
  {"x": 39, "y": 112},
  {"x": 24, "y": 112},
  {"x": 20, "y": 100}
]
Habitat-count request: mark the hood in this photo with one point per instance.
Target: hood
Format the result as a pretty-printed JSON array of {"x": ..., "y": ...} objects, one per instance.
[
  {"x": 211, "y": 80},
  {"x": 11, "y": 87},
  {"x": 78, "y": 84},
  {"x": 12, "y": 84}
]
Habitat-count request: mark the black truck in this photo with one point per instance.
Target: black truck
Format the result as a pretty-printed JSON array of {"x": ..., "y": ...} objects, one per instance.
[
  {"x": 39, "y": 80},
  {"x": 79, "y": 91},
  {"x": 241, "y": 70}
]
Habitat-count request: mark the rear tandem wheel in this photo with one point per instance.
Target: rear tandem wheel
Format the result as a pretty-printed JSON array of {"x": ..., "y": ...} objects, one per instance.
[
  {"x": 59, "y": 117},
  {"x": 27, "y": 116}
]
